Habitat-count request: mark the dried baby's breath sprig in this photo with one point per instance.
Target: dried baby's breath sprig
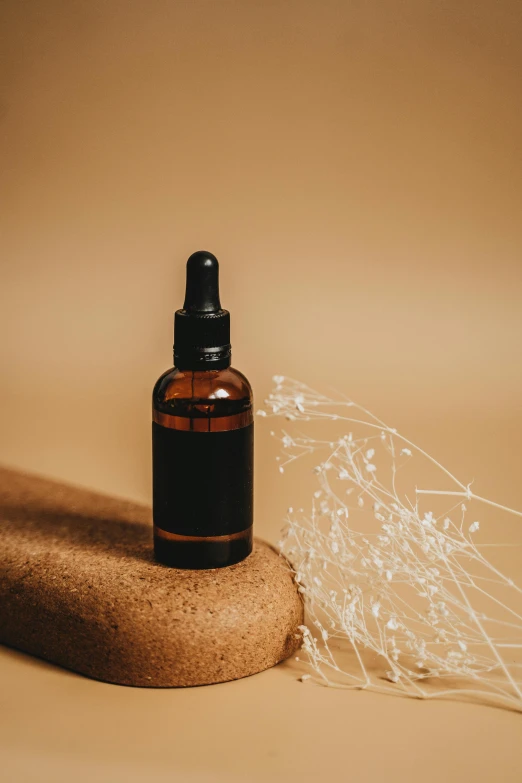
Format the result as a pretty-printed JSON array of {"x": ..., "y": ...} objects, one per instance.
[{"x": 399, "y": 597}]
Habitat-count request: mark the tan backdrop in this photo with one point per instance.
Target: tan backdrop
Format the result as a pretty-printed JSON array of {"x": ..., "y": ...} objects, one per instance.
[{"x": 356, "y": 168}]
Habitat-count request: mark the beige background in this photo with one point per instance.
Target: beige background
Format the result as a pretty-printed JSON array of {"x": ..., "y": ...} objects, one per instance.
[{"x": 356, "y": 167}]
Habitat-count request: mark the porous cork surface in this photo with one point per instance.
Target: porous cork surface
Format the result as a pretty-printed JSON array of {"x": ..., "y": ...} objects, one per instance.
[{"x": 79, "y": 587}]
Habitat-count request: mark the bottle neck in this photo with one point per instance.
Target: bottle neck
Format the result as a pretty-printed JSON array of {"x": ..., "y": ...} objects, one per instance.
[{"x": 203, "y": 359}]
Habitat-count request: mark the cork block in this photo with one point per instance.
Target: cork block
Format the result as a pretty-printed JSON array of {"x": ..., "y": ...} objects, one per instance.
[{"x": 79, "y": 587}]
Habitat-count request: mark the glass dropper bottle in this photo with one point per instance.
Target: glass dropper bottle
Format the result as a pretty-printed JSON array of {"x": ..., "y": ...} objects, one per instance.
[{"x": 202, "y": 435}]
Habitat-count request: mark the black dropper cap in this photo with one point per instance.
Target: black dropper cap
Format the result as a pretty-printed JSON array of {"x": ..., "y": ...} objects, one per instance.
[{"x": 202, "y": 328}]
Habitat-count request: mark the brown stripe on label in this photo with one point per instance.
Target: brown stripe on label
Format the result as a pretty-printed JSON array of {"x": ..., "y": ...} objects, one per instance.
[
  {"x": 203, "y": 424},
  {"x": 189, "y": 539}
]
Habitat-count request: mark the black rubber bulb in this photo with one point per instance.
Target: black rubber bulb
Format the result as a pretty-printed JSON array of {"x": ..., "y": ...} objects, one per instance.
[{"x": 202, "y": 291}]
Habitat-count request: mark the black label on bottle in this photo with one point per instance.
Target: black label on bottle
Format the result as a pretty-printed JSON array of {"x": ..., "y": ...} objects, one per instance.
[{"x": 202, "y": 481}]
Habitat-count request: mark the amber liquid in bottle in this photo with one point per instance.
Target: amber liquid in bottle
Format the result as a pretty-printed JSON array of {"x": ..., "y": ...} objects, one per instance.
[{"x": 202, "y": 466}]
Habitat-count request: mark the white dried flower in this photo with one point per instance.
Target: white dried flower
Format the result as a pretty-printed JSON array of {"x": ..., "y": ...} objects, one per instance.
[
  {"x": 417, "y": 576},
  {"x": 376, "y": 609}
]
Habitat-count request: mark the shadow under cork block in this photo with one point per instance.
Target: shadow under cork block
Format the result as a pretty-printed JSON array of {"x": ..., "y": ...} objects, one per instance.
[{"x": 79, "y": 587}]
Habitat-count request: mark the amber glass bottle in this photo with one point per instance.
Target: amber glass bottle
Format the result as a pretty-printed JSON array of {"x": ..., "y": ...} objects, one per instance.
[{"x": 202, "y": 434}]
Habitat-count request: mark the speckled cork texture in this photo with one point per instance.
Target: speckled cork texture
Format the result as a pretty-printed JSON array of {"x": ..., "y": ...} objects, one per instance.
[{"x": 79, "y": 587}]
